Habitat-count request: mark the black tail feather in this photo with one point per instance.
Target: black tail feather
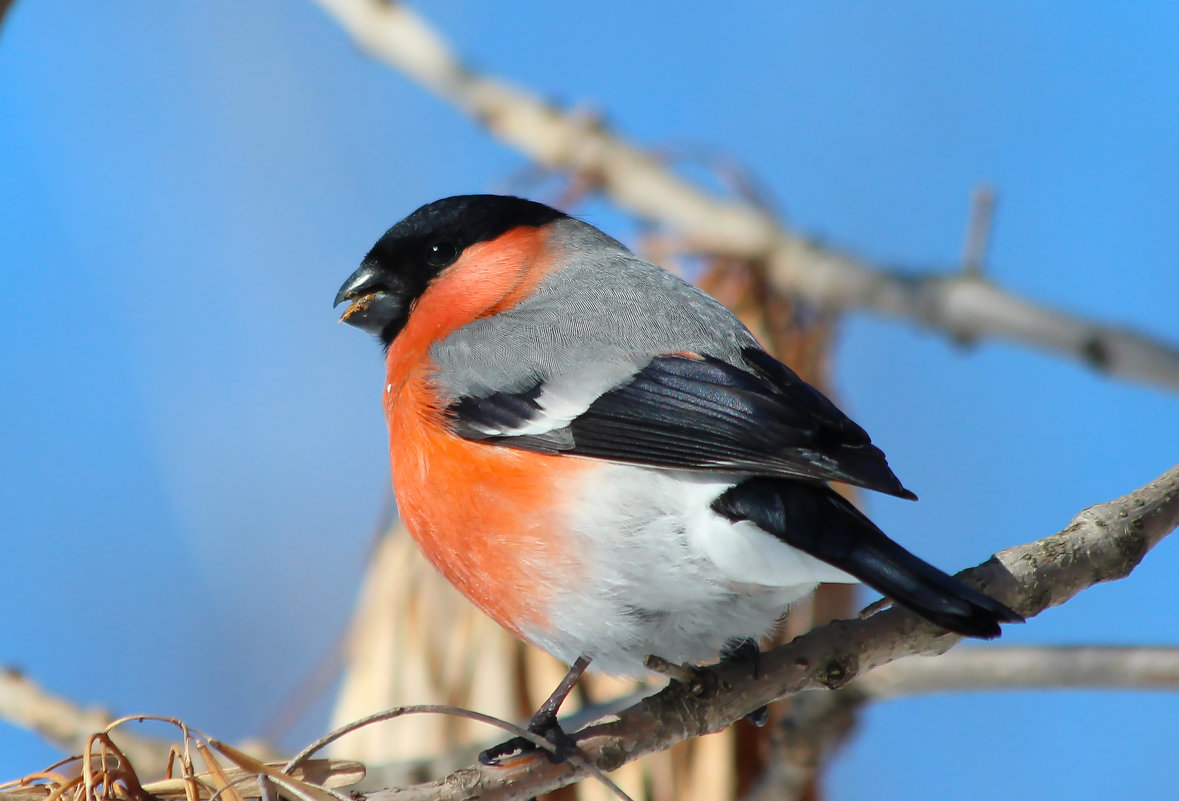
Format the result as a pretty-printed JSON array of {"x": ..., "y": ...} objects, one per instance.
[{"x": 817, "y": 520}]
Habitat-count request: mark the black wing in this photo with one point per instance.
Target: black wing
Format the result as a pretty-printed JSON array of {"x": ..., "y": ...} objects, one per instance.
[{"x": 698, "y": 413}]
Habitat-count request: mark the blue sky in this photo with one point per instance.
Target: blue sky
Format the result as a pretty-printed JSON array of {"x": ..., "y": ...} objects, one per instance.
[{"x": 194, "y": 452}]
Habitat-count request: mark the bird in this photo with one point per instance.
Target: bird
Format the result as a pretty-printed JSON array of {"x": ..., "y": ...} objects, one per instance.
[{"x": 603, "y": 459}]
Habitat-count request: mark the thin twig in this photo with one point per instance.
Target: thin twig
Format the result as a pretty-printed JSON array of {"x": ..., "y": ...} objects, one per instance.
[
  {"x": 577, "y": 759},
  {"x": 958, "y": 304},
  {"x": 978, "y": 232}
]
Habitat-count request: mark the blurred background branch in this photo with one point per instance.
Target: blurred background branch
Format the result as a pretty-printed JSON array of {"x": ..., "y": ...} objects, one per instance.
[
  {"x": 962, "y": 305},
  {"x": 1026, "y": 667},
  {"x": 5, "y": 7}
]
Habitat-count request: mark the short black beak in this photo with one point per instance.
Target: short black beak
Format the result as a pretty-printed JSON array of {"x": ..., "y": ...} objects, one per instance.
[
  {"x": 359, "y": 283},
  {"x": 375, "y": 304}
]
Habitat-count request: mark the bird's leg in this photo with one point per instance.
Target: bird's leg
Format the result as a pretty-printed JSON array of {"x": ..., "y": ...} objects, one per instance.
[
  {"x": 742, "y": 650},
  {"x": 543, "y": 723}
]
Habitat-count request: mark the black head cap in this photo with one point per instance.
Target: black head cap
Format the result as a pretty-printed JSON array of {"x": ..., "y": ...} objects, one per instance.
[{"x": 414, "y": 251}]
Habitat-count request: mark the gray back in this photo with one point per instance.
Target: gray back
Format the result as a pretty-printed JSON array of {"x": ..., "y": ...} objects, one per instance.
[{"x": 589, "y": 325}]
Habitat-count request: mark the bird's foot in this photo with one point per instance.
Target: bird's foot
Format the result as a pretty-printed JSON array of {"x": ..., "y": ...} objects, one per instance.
[
  {"x": 543, "y": 724},
  {"x": 747, "y": 650},
  {"x": 547, "y": 727}
]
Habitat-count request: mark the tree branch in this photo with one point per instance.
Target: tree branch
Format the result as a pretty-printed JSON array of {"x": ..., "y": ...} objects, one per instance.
[
  {"x": 1103, "y": 543},
  {"x": 817, "y": 719},
  {"x": 963, "y": 306}
]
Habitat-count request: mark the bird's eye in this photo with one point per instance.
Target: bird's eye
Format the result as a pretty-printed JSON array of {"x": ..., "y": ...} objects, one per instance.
[{"x": 440, "y": 254}]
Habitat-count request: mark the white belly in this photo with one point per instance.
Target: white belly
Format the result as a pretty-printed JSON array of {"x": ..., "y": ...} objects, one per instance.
[{"x": 666, "y": 575}]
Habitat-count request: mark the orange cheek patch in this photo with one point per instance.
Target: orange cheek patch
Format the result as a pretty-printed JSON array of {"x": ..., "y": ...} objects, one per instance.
[{"x": 488, "y": 517}]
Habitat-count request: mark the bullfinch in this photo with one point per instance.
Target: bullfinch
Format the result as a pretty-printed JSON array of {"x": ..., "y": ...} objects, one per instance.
[{"x": 602, "y": 457}]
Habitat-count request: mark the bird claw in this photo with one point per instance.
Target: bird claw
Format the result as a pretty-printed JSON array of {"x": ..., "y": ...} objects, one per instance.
[
  {"x": 517, "y": 746},
  {"x": 563, "y": 745},
  {"x": 745, "y": 649},
  {"x": 759, "y": 717}
]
